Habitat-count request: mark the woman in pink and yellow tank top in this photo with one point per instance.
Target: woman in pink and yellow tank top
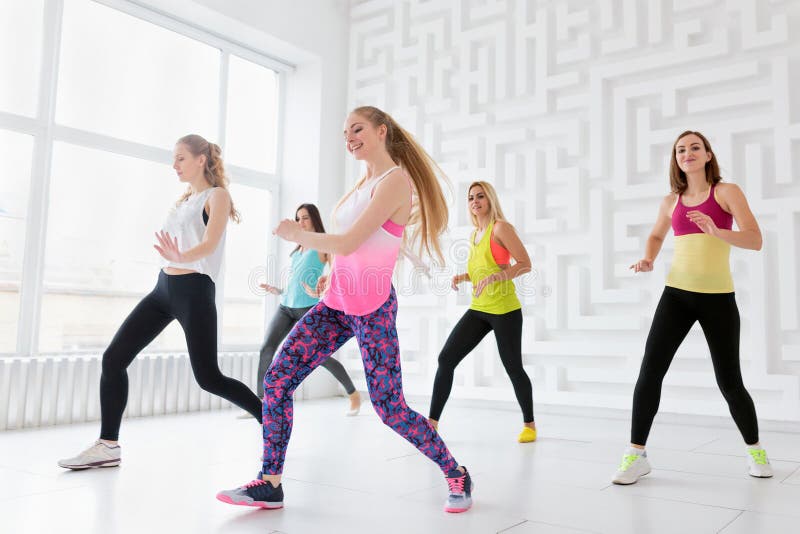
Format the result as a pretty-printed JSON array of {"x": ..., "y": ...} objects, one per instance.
[
  {"x": 701, "y": 210},
  {"x": 398, "y": 199}
]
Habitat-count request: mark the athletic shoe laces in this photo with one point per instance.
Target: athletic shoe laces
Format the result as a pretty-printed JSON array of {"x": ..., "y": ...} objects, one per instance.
[
  {"x": 257, "y": 482},
  {"x": 456, "y": 485},
  {"x": 759, "y": 456},
  {"x": 627, "y": 460}
]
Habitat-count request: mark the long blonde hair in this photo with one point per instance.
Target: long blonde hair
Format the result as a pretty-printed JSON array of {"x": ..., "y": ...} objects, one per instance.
[
  {"x": 214, "y": 171},
  {"x": 429, "y": 213},
  {"x": 495, "y": 211}
]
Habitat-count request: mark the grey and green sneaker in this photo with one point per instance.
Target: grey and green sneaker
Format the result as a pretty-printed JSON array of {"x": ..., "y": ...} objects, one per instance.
[
  {"x": 758, "y": 463},
  {"x": 633, "y": 466}
]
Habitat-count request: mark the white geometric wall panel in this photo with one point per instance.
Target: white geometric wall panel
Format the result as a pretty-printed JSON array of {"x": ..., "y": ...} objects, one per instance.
[{"x": 570, "y": 108}]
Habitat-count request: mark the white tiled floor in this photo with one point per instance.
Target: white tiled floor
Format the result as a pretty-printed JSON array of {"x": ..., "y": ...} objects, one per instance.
[{"x": 353, "y": 475}]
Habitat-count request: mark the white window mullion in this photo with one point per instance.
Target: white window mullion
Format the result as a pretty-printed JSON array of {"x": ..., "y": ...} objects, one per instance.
[
  {"x": 21, "y": 124},
  {"x": 223, "y": 99},
  {"x": 222, "y": 121},
  {"x": 36, "y": 228},
  {"x": 107, "y": 143},
  {"x": 275, "y": 188}
]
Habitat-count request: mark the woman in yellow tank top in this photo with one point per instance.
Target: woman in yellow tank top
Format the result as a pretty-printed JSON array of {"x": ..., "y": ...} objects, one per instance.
[{"x": 494, "y": 306}]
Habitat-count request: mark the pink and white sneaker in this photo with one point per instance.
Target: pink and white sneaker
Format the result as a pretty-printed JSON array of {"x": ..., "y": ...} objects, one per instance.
[
  {"x": 460, "y": 486},
  {"x": 258, "y": 493}
]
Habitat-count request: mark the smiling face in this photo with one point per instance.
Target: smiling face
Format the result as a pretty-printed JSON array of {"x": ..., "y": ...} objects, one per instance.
[
  {"x": 304, "y": 219},
  {"x": 691, "y": 154},
  {"x": 187, "y": 166},
  {"x": 362, "y": 139},
  {"x": 478, "y": 201}
]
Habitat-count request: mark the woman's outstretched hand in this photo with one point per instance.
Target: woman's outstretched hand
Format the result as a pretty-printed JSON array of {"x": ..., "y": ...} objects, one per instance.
[
  {"x": 317, "y": 291},
  {"x": 270, "y": 289},
  {"x": 168, "y": 247},
  {"x": 287, "y": 229},
  {"x": 480, "y": 286},
  {"x": 642, "y": 266}
]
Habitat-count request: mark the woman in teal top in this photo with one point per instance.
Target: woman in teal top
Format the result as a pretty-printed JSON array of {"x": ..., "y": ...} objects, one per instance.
[{"x": 299, "y": 296}]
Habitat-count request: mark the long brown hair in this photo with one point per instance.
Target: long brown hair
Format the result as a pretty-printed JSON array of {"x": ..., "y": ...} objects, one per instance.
[
  {"x": 495, "y": 211},
  {"x": 677, "y": 178},
  {"x": 214, "y": 171},
  {"x": 316, "y": 220},
  {"x": 429, "y": 214}
]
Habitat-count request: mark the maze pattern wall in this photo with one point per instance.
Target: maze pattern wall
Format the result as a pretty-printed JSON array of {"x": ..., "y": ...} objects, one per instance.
[{"x": 570, "y": 108}]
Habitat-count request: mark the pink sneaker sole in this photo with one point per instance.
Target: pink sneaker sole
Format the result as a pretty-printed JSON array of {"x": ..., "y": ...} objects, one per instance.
[{"x": 254, "y": 504}]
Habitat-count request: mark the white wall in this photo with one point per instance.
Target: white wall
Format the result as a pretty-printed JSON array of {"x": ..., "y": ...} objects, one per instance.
[{"x": 570, "y": 108}]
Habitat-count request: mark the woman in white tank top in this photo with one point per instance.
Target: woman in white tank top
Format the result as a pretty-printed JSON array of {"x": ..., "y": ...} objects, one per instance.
[{"x": 191, "y": 243}]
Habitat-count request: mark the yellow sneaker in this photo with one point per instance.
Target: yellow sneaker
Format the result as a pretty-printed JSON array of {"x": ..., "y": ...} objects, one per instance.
[{"x": 527, "y": 435}]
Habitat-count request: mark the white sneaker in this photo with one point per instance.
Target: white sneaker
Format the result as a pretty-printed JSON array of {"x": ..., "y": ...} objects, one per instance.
[
  {"x": 98, "y": 455},
  {"x": 352, "y": 412},
  {"x": 633, "y": 466},
  {"x": 758, "y": 463}
]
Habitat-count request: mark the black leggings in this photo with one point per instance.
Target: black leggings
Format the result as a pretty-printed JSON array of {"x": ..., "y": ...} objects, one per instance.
[
  {"x": 676, "y": 313},
  {"x": 281, "y": 324},
  {"x": 189, "y": 298},
  {"x": 466, "y": 335}
]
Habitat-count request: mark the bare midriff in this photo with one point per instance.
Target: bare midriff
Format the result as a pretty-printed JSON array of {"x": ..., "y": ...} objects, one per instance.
[{"x": 175, "y": 270}]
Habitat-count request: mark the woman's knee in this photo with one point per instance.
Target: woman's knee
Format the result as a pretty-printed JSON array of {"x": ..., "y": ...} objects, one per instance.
[
  {"x": 209, "y": 380},
  {"x": 111, "y": 363},
  {"x": 447, "y": 360}
]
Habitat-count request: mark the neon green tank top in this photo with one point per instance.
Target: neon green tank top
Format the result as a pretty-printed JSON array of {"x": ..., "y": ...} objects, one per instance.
[{"x": 497, "y": 298}]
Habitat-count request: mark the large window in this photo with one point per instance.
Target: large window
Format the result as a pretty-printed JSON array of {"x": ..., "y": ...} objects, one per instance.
[
  {"x": 92, "y": 101},
  {"x": 100, "y": 259},
  {"x": 133, "y": 80},
  {"x": 252, "y": 116},
  {"x": 20, "y": 55},
  {"x": 246, "y": 254}
]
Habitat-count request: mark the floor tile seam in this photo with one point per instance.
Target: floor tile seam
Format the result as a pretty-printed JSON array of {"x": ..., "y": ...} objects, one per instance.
[
  {"x": 548, "y": 523},
  {"x": 729, "y": 523},
  {"x": 512, "y": 526},
  {"x": 669, "y": 499},
  {"x": 704, "y": 444},
  {"x": 790, "y": 475},
  {"x": 717, "y": 475}
]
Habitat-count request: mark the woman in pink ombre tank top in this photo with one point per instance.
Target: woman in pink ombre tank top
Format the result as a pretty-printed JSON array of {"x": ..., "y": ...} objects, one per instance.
[
  {"x": 361, "y": 281},
  {"x": 360, "y": 301}
]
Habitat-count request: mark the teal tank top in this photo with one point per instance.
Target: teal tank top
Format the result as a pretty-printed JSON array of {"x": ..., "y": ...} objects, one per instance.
[{"x": 307, "y": 268}]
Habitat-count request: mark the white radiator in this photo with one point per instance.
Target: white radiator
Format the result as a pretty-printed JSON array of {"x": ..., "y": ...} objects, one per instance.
[{"x": 65, "y": 389}]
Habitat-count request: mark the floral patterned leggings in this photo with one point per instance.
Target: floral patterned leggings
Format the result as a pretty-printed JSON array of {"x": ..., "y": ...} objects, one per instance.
[{"x": 313, "y": 339}]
